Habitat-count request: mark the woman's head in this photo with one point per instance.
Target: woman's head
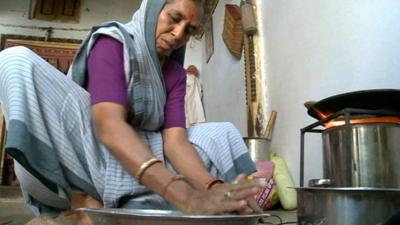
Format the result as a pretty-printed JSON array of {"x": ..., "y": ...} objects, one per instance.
[{"x": 177, "y": 22}]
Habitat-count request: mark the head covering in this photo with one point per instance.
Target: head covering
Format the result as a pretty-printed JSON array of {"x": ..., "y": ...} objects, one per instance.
[{"x": 145, "y": 82}]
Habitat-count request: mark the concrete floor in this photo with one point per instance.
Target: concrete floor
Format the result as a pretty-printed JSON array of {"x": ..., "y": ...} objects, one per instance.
[
  {"x": 12, "y": 207},
  {"x": 14, "y": 212}
]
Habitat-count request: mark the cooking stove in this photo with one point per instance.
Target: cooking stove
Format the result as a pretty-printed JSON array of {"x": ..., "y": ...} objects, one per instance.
[
  {"x": 361, "y": 155},
  {"x": 344, "y": 118}
]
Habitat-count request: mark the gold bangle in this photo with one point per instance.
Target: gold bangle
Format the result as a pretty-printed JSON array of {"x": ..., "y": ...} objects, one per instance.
[{"x": 144, "y": 166}]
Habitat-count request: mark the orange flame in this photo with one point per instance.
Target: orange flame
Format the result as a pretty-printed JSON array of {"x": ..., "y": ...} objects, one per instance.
[{"x": 384, "y": 119}]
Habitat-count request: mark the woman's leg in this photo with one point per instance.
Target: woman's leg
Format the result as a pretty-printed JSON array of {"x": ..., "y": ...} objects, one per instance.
[
  {"x": 49, "y": 126},
  {"x": 35, "y": 188},
  {"x": 222, "y": 149}
]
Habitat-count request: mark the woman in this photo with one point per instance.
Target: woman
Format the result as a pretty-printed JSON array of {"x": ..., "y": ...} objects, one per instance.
[{"x": 107, "y": 146}]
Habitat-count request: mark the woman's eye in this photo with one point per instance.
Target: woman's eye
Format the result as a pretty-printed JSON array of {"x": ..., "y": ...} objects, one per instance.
[{"x": 174, "y": 18}]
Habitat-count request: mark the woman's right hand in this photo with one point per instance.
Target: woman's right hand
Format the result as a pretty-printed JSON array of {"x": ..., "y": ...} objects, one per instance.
[{"x": 235, "y": 197}]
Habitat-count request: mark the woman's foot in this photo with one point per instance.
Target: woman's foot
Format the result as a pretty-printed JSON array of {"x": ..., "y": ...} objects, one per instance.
[{"x": 83, "y": 201}]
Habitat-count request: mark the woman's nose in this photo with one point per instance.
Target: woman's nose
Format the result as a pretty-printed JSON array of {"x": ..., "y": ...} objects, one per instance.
[{"x": 179, "y": 32}]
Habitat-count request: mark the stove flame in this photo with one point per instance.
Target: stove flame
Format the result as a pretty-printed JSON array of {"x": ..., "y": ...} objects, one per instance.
[{"x": 340, "y": 121}]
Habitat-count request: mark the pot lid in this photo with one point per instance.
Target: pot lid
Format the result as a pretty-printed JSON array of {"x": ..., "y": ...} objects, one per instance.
[{"x": 374, "y": 99}]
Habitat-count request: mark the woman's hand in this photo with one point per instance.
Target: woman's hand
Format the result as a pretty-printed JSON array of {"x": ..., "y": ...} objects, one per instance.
[
  {"x": 252, "y": 205},
  {"x": 226, "y": 198}
]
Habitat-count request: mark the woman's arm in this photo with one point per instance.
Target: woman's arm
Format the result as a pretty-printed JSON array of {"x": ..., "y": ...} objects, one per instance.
[
  {"x": 184, "y": 157},
  {"x": 124, "y": 142},
  {"x": 107, "y": 87},
  {"x": 177, "y": 148}
]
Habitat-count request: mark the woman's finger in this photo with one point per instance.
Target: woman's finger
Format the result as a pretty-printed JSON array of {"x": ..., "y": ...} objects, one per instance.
[
  {"x": 243, "y": 182},
  {"x": 240, "y": 177},
  {"x": 246, "y": 210},
  {"x": 228, "y": 192},
  {"x": 232, "y": 198},
  {"x": 252, "y": 203},
  {"x": 233, "y": 205},
  {"x": 244, "y": 193}
]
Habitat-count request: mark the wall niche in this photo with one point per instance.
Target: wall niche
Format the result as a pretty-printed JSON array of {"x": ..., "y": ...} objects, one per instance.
[{"x": 61, "y": 10}]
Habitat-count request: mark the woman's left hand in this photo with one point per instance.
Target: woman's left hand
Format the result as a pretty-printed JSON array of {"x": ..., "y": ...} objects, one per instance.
[{"x": 235, "y": 192}]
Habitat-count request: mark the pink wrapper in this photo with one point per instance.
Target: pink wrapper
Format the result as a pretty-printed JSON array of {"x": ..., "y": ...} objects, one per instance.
[{"x": 268, "y": 196}]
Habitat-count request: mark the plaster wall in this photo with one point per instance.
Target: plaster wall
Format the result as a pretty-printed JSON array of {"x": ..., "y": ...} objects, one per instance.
[
  {"x": 222, "y": 77},
  {"x": 14, "y": 18},
  {"x": 316, "y": 49},
  {"x": 312, "y": 50}
]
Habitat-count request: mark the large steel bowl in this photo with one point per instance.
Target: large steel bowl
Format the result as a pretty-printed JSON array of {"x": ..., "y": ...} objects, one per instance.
[
  {"x": 165, "y": 217},
  {"x": 346, "y": 206}
]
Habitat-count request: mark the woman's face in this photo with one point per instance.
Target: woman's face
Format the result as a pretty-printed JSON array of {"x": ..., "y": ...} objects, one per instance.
[{"x": 178, "y": 20}]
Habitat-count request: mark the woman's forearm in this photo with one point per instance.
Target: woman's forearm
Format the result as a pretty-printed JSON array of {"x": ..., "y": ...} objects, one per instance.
[
  {"x": 125, "y": 144},
  {"x": 185, "y": 158},
  {"x": 177, "y": 192},
  {"x": 187, "y": 162}
]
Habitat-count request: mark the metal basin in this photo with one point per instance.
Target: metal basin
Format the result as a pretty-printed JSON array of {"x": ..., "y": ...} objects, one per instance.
[
  {"x": 346, "y": 206},
  {"x": 165, "y": 217}
]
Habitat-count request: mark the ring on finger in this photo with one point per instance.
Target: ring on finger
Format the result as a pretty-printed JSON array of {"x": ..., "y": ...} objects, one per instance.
[{"x": 228, "y": 195}]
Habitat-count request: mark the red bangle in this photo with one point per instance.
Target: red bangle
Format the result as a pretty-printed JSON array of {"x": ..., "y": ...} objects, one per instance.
[
  {"x": 173, "y": 179},
  {"x": 212, "y": 182}
]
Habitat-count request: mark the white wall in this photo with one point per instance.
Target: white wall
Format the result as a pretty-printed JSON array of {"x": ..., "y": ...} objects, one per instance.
[
  {"x": 223, "y": 77},
  {"x": 317, "y": 49},
  {"x": 314, "y": 49},
  {"x": 193, "y": 55},
  {"x": 15, "y": 13}
]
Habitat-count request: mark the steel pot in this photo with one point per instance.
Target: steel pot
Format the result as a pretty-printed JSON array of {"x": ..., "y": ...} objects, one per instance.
[
  {"x": 258, "y": 148},
  {"x": 346, "y": 206},
  {"x": 362, "y": 155}
]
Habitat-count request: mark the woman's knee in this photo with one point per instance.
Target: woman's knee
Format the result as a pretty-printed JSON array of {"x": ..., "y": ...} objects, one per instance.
[
  {"x": 14, "y": 62},
  {"x": 17, "y": 55},
  {"x": 229, "y": 125},
  {"x": 17, "y": 50},
  {"x": 225, "y": 126}
]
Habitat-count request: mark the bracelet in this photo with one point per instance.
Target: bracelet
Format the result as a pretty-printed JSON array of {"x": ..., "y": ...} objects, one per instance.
[
  {"x": 173, "y": 179},
  {"x": 212, "y": 182},
  {"x": 144, "y": 166}
]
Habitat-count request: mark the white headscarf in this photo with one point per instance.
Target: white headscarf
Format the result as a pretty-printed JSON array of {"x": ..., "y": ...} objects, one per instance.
[{"x": 146, "y": 88}]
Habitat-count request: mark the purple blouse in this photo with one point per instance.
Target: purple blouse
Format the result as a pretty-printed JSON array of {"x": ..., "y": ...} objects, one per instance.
[{"x": 106, "y": 82}]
